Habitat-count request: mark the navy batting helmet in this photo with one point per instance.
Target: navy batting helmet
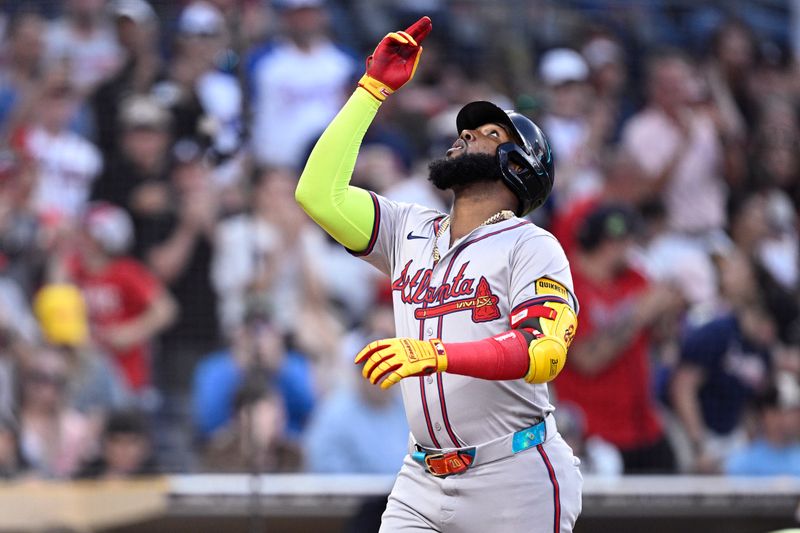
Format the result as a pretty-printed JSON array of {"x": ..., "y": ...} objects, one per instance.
[{"x": 527, "y": 164}]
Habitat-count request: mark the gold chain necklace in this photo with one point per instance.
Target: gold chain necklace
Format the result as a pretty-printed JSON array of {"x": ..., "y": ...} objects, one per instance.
[{"x": 505, "y": 214}]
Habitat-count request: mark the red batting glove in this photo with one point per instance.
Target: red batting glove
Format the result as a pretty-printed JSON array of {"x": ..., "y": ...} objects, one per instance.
[{"x": 394, "y": 61}]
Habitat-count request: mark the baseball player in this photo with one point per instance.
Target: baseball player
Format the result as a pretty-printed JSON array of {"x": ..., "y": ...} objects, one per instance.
[{"x": 484, "y": 312}]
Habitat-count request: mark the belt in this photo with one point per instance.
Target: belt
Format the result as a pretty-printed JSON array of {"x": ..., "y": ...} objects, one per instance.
[{"x": 442, "y": 463}]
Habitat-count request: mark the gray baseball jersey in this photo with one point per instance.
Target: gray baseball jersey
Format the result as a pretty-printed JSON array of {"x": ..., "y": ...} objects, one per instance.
[{"x": 469, "y": 294}]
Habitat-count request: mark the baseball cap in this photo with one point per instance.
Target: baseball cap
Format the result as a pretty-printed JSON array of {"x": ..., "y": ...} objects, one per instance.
[
  {"x": 562, "y": 65},
  {"x": 138, "y": 11},
  {"x": 601, "y": 51},
  {"x": 607, "y": 222},
  {"x": 61, "y": 312},
  {"x": 200, "y": 18},
  {"x": 110, "y": 226},
  {"x": 143, "y": 111}
]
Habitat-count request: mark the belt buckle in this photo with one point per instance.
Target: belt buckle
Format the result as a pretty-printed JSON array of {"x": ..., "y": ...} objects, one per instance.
[{"x": 445, "y": 464}]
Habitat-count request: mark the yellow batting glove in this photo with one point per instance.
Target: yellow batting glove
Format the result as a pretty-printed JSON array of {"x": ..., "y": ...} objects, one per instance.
[{"x": 395, "y": 359}]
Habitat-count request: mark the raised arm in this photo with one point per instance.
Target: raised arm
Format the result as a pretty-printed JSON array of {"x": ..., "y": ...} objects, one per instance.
[{"x": 324, "y": 190}]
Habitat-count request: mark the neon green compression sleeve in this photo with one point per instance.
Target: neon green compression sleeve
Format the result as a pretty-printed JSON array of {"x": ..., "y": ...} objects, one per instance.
[{"x": 324, "y": 190}]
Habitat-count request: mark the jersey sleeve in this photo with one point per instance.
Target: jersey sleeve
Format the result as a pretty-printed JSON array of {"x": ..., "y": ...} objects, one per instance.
[
  {"x": 390, "y": 218},
  {"x": 539, "y": 270}
]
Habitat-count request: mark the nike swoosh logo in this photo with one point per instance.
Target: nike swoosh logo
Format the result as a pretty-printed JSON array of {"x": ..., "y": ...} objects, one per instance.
[{"x": 412, "y": 236}]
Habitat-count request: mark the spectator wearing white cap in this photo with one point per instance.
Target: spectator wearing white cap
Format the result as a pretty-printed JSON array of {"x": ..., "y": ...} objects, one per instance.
[
  {"x": 576, "y": 127},
  {"x": 299, "y": 82},
  {"x": 128, "y": 306},
  {"x": 137, "y": 178},
  {"x": 85, "y": 39},
  {"x": 206, "y": 102}
]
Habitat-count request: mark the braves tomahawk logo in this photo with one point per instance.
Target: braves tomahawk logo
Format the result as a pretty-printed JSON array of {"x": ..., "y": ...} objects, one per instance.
[{"x": 417, "y": 289}]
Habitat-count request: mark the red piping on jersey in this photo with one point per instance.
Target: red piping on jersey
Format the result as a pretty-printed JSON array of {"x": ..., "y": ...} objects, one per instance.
[
  {"x": 538, "y": 300},
  {"x": 425, "y": 411},
  {"x": 440, "y": 381},
  {"x": 424, "y": 396},
  {"x": 375, "y": 227},
  {"x": 422, "y": 389},
  {"x": 556, "y": 491}
]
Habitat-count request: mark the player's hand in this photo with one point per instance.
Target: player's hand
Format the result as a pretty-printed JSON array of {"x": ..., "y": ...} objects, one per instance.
[
  {"x": 395, "y": 59},
  {"x": 395, "y": 359}
]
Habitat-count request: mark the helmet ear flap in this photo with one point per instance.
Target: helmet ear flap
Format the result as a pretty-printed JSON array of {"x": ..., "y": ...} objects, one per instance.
[
  {"x": 515, "y": 168},
  {"x": 517, "y": 163}
]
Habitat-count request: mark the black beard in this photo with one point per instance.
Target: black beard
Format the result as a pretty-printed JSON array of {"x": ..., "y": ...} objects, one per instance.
[{"x": 464, "y": 170}]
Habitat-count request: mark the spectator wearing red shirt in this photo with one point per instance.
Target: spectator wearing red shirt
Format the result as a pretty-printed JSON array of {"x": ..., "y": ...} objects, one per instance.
[
  {"x": 607, "y": 372},
  {"x": 127, "y": 304}
]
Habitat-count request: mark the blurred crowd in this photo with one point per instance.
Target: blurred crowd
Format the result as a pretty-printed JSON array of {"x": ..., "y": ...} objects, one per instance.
[{"x": 166, "y": 307}]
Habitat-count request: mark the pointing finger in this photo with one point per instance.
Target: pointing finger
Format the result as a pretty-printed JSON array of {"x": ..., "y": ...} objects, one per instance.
[{"x": 420, "y": 29}]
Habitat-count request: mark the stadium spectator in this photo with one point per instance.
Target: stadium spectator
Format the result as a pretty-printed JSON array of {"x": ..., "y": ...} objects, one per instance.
[
  {"x": 85, "y": 41},
  {"x": 21, "y": 70},
  {"x": 723, "y": 364},
  {"x": 576, "y": 123},
  {"x": 598, "y": 457},
  {"x": 729, "y": 74},
  {"x": 254, "y": 441},
  {"x": 298, "y": 83},
  {"x": 728, "y": 78},
  {"x": 96, "y": 386},
  {"x": 679, "y": 149},
  {"x": 137, "y": 31},
  {"x": 126, "y": 449},
  {"x": 672, "y": 258},
  {"x": 177, "y": 243},
  {"x": 66, "y": 162},
  {"x": 257, "y": 347},
  {"x": 206, "y": 102},
  {"x": 774, "y": 449},
  {"x": 367, "y": 427},
  {"x": 128, "y": 306},
  {"x": 775, "y": 163},
  {"x": 55, "y": 439},
  {"x": 137, "y": 177},
  {"x": 609, "y": 75},
  {"x": 22, "y": 253},
  {"x": 608, "y": 371},
  {"x": 11, "y": 462},
  {"x": 15, "y": 351},
  {"x": 269, "y": 253},
  {"x": 16, "y": 320},
  {"x": 763, "y": 228}
]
